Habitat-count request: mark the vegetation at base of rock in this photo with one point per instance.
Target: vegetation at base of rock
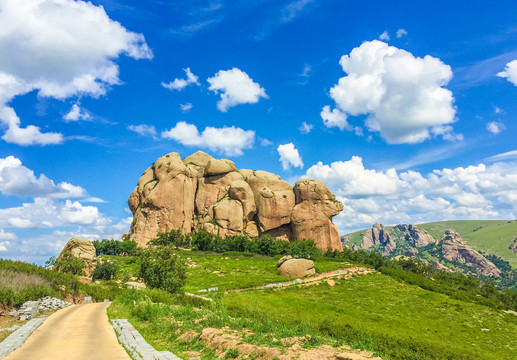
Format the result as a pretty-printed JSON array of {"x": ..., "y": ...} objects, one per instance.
[
  {"x": 104, "y": 271},
  {"x": 162, "y": 268},
  {"x": 264, "y": 245},
  {"x": 115, "y": 247},
  {"x": 69, "y": 264}
]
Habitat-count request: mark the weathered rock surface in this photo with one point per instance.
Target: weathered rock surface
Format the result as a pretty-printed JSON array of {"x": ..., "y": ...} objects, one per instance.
[
  {"x": 203, "y": 193},
  {"x": 378, "y": 235},
  {"x": 297, "y": 268},
  {"x": 418, "y": 237},
  {"x": 82, "y": 249},
  {"x": 312, "y": 214},
  {"x": 513, "y": 247},
  {"x": 455, "y": 249}
]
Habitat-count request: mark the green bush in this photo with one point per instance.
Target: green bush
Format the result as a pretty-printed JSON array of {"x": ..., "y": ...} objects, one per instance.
[
  {"x": 115, "y": 247},
  {"x": 69, "y": 264},
  {"x": 104, "y": 271},
  {"x": 163, "y": 268}
]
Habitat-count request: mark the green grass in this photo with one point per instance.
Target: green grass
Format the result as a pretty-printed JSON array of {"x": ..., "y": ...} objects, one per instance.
[
  {"x": 232, "y": 270},
  {"x": 396, "y": 320},
  {"x": 489, "y": 236}
]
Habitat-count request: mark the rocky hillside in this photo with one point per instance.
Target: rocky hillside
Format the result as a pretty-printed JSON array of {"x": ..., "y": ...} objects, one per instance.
[
  {"x": 444, "y": 249},
  {"x": 203, "y": 193}
]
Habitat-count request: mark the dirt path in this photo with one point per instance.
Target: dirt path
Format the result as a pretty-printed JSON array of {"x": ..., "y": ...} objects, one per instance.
[
  {"x": 77, "y": 332},
  {"x": 344, "y": 273}
]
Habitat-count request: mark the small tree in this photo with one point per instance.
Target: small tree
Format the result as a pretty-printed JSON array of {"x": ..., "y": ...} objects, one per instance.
[
  {"x": 163, "y": 268},
  {"x": 104, "y": 271},
  {"x": 68, "y": 263}
]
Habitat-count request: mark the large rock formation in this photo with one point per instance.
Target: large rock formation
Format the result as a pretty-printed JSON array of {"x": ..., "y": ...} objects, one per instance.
[
  {"x": 416, "y": 236},
  {"x": 203, "y": 193},
  {"x": 455, "y": 249},
  {"x": 378, "y": 235},
  {"x": 82, "y": 249}
]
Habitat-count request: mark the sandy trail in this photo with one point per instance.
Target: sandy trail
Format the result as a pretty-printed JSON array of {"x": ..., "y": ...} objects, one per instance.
[{"x": 77, "y": 332}]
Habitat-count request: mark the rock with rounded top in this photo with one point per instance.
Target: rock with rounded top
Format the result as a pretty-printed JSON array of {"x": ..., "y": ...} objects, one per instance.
[
  {"x": 83, "y": 250},
  {"x": 297, "y": 268},
  {"x": 282, "y": 260},
  {"x": 312, "y": 215},
  {"x": 228, "y": 215},
  {"x": 212, "y": 189}
]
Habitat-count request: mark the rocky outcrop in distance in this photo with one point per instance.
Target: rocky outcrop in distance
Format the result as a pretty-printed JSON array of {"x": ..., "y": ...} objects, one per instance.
[
  {"x": 378, "y": 235},
  {"x": 416, "y": 236},
  {"x": 82, "y": 249},
  {"x": 203, "y": 193},
  {"x": 455, "y": 249}
]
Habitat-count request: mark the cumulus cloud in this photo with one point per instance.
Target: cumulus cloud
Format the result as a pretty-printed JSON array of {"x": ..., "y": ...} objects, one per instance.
[
  {"x": 266, "y": 142},
  {"x": 68, "y": 49},
  {"x": 289, "y": 156},
  {"x": 4, "y": 235},
  {"x": 402, "y": 95},
  {"x": 76, "y": 114},
  {"x": 186, "y": 107},
  {"x": 510, "y": 72},
  {"x": 230, "y": 141},
  {"x": 305, "y": 128},
  {"x": 400, "y": 33},
  {"x": 384, "y": 36},
  {"x": 49, "y": 213},
  {"x": 495, "y": 127},
  {"x": 390, "y": 197},
  {"x": 334, "y": 118},
  {"x": 143, "y": 129},
  {"x": 236, "y": 87},
  {"x": 16, "y": 179},
  {"x": 180, "y": 84}
]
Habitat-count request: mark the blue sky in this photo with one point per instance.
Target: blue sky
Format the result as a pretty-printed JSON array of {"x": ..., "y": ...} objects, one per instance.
[{"x": 406, "y": 110}]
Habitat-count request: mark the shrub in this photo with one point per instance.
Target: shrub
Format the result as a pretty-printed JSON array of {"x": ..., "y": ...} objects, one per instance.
[
  {"x": 162, "y": 268},
  {"x": 69, "y": 264},
  {"x": 104, "y": 271},
  {"x": 115, "y": 247}
]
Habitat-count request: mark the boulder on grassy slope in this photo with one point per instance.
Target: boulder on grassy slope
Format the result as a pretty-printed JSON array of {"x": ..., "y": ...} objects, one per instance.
[{"x": 297, "y": 268}]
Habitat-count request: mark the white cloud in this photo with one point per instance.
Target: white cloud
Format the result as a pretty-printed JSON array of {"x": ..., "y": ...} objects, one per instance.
[
  {"x": 143, "y": 129},
  {"x": 49, "y": 213},
  {"x": 60, "y": 49},
  {"x": 510, "y": 72},
  {"x": 76, "y": 114},
  {"x": 180, "y": 84},
  {"x": 400, "y": 33},
  {"x": 495, "y": 127},
  {"x": 230, "y": 141},
  {"x": 389, "y": 197},
  {"x": 289, "y": 156},
  {"x": 384, "y": 36},
  {"x": 498, "y": 110},
  {"x": 334, "y": 118},
  {"x": 4, "y": 235},
  {"x": 402, "y": 95},
  {"x": 509, "y": 155},
  {"x": 266, "y": 142},
  {"x": 186, "y": 107},
  {"x": 16, "y": 179},
  {"x": 236, "y": 88},
  {"x": 305, "y": 128}
]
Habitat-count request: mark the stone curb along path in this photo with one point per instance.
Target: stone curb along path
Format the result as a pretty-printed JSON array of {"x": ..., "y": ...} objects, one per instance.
[
  {"x": 17, "y": 338},
  {"x": 136, "y": 345}
]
